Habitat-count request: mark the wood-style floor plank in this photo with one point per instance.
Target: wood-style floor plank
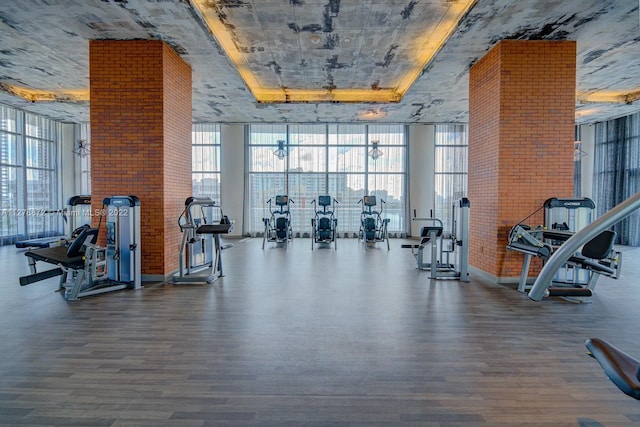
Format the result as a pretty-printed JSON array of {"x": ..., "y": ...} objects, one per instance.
[{"x": 289, "y": 337}]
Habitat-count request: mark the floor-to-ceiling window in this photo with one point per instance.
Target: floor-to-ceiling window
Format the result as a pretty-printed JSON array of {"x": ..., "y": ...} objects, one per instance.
[
  {"x": 451, "y": 156},
  {"x": 344, "y": 161},
  {"x": 29, "y": 186},
  {"x": 11, "y": 190},
  {"x": 205, "y": 150}
]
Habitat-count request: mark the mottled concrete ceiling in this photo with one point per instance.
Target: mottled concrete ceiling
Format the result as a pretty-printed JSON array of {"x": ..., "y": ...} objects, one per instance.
[{"x": 319, "y": 43}]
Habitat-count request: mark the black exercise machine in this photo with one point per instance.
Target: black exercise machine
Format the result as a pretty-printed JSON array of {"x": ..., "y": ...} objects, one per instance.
[
  {"x": 373, "y": 228},
  {"x": 622, "y": 369},
  {"x": 277, "y": 227},
  {"x": 324, "y": 223},
  {"x": 87, "y": 269}
]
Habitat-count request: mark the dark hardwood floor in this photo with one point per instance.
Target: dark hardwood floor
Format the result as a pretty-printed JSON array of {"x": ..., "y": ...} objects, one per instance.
[{"x": 353, "y": 337}]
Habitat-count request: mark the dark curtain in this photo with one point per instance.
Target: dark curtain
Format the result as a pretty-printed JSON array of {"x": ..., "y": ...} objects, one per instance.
[{"x": 617, "y": 172}]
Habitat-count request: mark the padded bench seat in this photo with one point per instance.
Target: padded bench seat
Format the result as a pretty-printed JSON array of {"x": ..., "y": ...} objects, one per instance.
[
  {"x": 591, "y": 264},
  {"x": 214, "y": 229},
  {"x": 57, "y": 255}
]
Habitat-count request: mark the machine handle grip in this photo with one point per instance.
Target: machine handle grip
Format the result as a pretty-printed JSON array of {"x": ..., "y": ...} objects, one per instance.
[
  {"x": 336, "y": 201},
  {"x": 359, "y": 201}
]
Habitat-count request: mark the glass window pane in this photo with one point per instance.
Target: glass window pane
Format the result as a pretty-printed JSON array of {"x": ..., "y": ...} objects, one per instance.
[
  {"x": 307, "y": 159},
  {"x": 451, "y": 159},
  {"x": 451, "y": 135},
  {"x": 262, "y": 159},
  {"x": 8, "y": 119},
  {"x": 347, "y": 134},
  {"x": 8, "y": 204},
  {"x": 347, "y": 189},
  {"x": 307, "y": 134},
  {"x": 347, "y": 159},
  {"x": 205, "y": 158},
  {"x": 8, "y": 149},
  {"x": 391, "y": 160},
  {"x": 303, "y": 189},
  {"x": 267, "y": 135},
  {"x": 387, "y": 134},
  {"x": 204, "y": 133},
  {"x": 262, "y": 187},
  {"x": 451, "y": 167},
  {"x": 390, "y": 188},
  {"x": 206, "y": 185}
]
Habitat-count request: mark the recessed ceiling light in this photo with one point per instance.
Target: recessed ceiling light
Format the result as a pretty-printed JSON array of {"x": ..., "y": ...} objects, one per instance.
[
  {"x": 315, "y": 39},
  {"x": 371, "y": 114}
]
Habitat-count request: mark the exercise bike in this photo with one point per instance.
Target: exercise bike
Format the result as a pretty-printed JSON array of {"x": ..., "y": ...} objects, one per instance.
[
  {"x": 373, "y": 228},
  {"x": 277, "y": 227},
  {"x": 324, "y": 223}
]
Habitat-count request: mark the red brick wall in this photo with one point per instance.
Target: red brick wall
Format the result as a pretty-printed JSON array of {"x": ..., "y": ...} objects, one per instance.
[
  {"x": 521, "y": 132},
  {"x": 141, "y": 138}
]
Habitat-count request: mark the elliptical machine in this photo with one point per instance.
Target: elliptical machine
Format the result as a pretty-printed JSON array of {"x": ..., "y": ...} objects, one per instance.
[
  {"x": 277, "y": 227},
  {"x": 324, "y": 223},
  {"x": 373, "y": 228}
]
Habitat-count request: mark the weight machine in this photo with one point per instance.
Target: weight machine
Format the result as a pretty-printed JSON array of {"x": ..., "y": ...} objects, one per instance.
[
  {"x": 542, "y": 285},
  {"x": 87, "y": 269},
  {"x": 324, "y": 223},
  {"x": 445, "y": 245},
  {"x": 578, "y": 276},
  {"x": 277, "y": 227},
  {"x": 373, "y": 228},
  {"x": 201, "y": 224},
  {"x": 596, "y": 257}
]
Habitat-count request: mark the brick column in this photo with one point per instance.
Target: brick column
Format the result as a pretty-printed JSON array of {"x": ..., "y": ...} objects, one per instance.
[
  {"x": 521, "y": 133},
  {"x": 141, "y": 139}
]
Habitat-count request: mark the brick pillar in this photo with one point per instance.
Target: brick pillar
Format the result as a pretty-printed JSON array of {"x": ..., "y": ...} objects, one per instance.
[
  {"x": 141, "y": 139},
  {"x": 521, "y": 133}
]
